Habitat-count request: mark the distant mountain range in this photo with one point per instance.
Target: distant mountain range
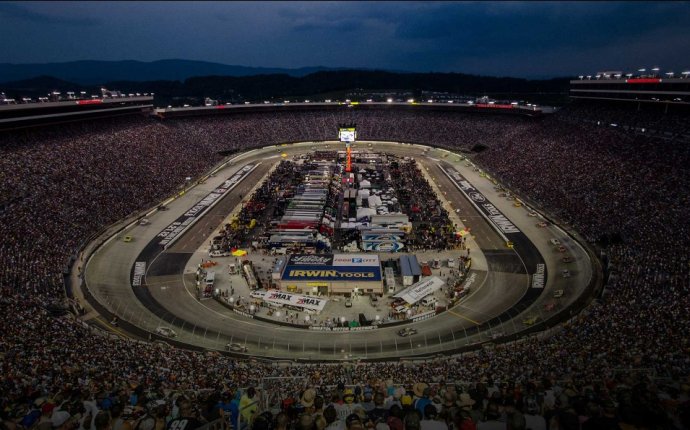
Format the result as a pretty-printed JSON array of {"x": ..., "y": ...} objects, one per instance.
[
  {"x": 100, "y": 72},
  {"x": 306, "y": 82}
]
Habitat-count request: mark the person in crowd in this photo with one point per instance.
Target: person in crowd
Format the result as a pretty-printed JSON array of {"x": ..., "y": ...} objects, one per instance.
[
  {"x": 187, "y": 420},
  {"x": 431, "y": 419}
]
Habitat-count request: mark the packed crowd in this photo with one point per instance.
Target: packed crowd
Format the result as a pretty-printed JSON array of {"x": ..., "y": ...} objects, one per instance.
[
  {"x": 658, "y": 120},
  {"x": 431, "y": 226},
  {"x": 59, "y": 186}
]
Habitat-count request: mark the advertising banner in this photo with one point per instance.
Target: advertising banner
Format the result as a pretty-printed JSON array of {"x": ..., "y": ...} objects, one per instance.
[
  {"x": 331, "y": 273},
  {"x": 310, "y": 260},
  {"x": 382, "y": 246},
  {"x": 291, "y": 299},
  {"x": 359, "y": 260},
  {"x": 500, "y": 222}
]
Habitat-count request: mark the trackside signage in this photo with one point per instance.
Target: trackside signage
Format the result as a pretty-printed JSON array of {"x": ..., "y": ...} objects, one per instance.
[
  {"x": 284, "y": 298},
  {"x": 490, "y": 212},
  {"x": 538, "y": 277},
  {"x": 139, "y": 272},
  {"x": 171, "y": 232}
]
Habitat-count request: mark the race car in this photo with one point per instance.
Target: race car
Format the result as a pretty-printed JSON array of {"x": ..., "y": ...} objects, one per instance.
[
  {"x": 407, "y": 331},
  {"x": 166, "y": 331},
  {"x": 542, "y": 224},
  {"x": 235, "y": 347},
  {"x": 567, "y": 259},
  {"x": 530, "y": 320}
]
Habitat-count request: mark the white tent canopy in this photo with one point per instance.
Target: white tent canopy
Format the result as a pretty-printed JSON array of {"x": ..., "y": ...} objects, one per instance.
[
  {"x": 421, "y": 289},
  {"x": 365, "y": 212}
]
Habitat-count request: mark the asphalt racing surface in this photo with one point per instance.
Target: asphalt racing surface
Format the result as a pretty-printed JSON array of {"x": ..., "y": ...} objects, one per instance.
[{"x": 503, "y": 292}]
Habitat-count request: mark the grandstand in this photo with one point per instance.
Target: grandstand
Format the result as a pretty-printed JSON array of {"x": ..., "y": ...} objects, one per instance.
[{"x": 623, "y": 357}]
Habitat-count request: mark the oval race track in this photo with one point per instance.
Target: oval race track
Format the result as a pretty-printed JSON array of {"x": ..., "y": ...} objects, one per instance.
[{"x": 503, "y": 290}]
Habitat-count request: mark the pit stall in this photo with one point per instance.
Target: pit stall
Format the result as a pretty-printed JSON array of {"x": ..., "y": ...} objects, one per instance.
[{"x": 327, "y": 274}]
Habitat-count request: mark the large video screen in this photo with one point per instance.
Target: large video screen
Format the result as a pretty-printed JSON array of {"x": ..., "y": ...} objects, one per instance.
[{"x": 347, "y": 134}]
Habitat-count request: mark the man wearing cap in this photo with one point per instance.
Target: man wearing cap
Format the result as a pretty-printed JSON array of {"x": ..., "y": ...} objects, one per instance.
[
  {"x": 224, "y": 409},
  {"x": 307, "y": 400},
  {"x": 421, "y": 393},
  {"x": 465, "y": 403},
  {"x": 348, "y": 406},
  {"x": 368, "y": 403},
  {"x": 354, "y": 422}
]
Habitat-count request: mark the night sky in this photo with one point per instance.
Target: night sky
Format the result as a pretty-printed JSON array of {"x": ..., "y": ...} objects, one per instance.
[{"x": 522, "y": 39}]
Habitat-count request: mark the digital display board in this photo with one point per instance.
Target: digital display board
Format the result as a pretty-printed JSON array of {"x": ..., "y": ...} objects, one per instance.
[{"x": 347, "y": 134}]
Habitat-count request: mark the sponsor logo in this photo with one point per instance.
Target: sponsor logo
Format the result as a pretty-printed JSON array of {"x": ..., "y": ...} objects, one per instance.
[
  {"x": 477, "y": 197},
  {"x": 499, "y": 219},
  {"x": 329, "y": 274},
  {"x": 494, "y": 214},
  {"x": 279, "y": 296},
  {"x": 383, "y": 247},
  {"x": 469, "y": 281},
  {"x": 310, "y": 259},
  {"x": 343, "y": 261},
  {"x": 538, "y": 277},
  {"x": 308, "y": 301},
  {"x": 243, "y": 313},
  {"x": 466, "y": 185},
  {"x": 139, "y": 272}
]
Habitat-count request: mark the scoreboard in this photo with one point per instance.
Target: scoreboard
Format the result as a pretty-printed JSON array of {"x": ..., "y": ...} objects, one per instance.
[{"x": 347, "y": 134}]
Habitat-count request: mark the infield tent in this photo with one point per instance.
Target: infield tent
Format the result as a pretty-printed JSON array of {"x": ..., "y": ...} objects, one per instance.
[{"x": 420, "y": 290}]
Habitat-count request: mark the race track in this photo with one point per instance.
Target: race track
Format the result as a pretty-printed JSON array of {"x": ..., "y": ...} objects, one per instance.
[{"x": 503, "y": 297}]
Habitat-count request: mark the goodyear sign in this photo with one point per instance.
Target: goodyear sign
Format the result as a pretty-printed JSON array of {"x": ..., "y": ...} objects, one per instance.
[
  {"x": 382, "y": 246},
  {"x": 383, "y": 237},
  {"x": 332, "y": 273}
]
